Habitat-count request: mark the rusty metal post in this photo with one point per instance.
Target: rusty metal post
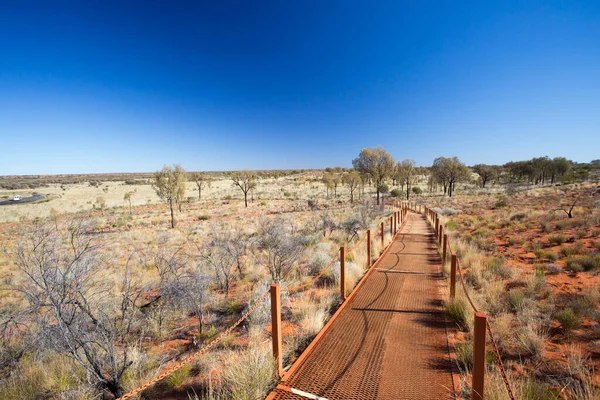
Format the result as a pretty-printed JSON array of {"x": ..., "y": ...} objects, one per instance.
[
  {"x": 343, "y": 272},
  {"x": 369, "y": 258},
  {"x": 395, "y": 221},
  {"x": 440, "y": 235},
  {"x": 382, "y": 235},
  {"x": 444, "y": 249},
  {"x": 391, "y": 226},
  {"x": 453, "y": 266},
  {"x": 276, "y": 327},
  {"x": 478, "y": 356}
]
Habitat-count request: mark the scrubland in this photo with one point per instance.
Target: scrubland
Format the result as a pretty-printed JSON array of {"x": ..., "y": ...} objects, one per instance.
[
  {"x": 535, "y": 272},
  {"x": 99, "y": 297},
  {"x": 97, "y": 301}
]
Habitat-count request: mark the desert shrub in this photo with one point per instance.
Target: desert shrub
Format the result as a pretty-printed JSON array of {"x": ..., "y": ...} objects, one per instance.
[
  {"x": 496, "y": 266},
  {"x": 557, "y": 239},
  {"x": 518, "y": 217},
  {"x": 501, "y": 203},
  {"x": 249, "y": 375},
  {"x": 550, "y": 255},
  {"x": 464, "y": 355},
  {"x": 396, "y": 193},
  {"x": 317, "y": 260},
  {"x": 553, "y": 269},
  {"x": 417, "y": 190},
  {"x": 457, "y": 310},
  {"x": 568, "y": 251},
  {"x": 580, "y": 234},
  {"x": 451, "y": 225},
  {"x": 515, "y": 300},
  {"x": 177, "y": 378},
  {"x": 534, "y": 389},
  {"x": 568, "y": 319},
  {"x": 310, "y": 240},
  {"x": 529, "y": 341},
  {"x": 536, "y": 285},
  {"x": 590, "y": 262}
]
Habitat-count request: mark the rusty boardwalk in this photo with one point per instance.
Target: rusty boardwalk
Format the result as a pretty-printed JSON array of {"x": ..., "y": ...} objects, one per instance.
[{"x": 389, "y": 340}]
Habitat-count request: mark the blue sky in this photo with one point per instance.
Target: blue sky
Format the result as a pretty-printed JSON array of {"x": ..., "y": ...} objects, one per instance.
[{"x": 100, "y": 86}]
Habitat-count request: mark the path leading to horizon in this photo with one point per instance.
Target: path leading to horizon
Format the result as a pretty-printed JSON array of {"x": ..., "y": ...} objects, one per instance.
[{"x": 389, "y": 341}]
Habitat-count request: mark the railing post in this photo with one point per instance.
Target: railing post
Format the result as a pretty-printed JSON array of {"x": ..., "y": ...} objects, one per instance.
[
  {"x": 382, "y": 235},
  {"x": 444, "y": 249},
  {"x": 453, "y": 266},
  {"x": 369, "y": 258},
  {"x": 276, "y": 327},
  {"x": 395, "y": 221},
  {"x": 343, "y": 272},
  {"x": 391, "y": 226},
  {"x": 478, "y": 356},
  {"x": 440, "y": 235}
]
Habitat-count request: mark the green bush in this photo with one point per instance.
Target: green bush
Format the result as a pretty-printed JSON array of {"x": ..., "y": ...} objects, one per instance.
[
  {"x": 568, "y": 319},
  {"x": 501, "y": 203},
  {"x": 203, "y": 217},
  {"x": 557, "y": 239},
  {"x": 417, "y": 190},
  {"x": 177, "y": 378},
  {"x": 589, "y": 262},
  {"x": 464, "y": 355},
  {"x": 451, "y": 225},
  {"x": 396, "y": 193},
  {"x": 534, "y": 389},
  {"x": 457, "y": 310}
]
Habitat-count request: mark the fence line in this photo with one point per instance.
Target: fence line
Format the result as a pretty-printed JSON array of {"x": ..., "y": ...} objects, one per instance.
[
  {"x": 218, "y": 339},
  {"x": 478, "y": 376}
]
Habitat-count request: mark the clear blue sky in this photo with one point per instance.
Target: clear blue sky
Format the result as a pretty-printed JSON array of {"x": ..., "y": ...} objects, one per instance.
[{"x": 101, "y": 86}]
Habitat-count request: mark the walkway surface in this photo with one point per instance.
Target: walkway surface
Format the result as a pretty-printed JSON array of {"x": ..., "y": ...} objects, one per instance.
[{"x": 389, "y": 341}]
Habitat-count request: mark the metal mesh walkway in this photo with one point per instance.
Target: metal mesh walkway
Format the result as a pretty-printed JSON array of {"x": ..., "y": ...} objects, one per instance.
[{"x": 389, "y": 341}]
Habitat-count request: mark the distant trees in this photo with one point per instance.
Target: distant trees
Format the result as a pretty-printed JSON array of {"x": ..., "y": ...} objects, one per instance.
[
  {"x": 328, "y": 181},
  {"x": 352, "y": 179},
  {"x": 376, "y": 163},
  {"x": 201, "y": 179},
  {"x": 485, "y": 172},
  {"x": 538, "y": 170},
  {"x": 169, "y": 185},
  {"x": 245, "y": 181},
  {"x": 405, "y": 173},
  {"x": 448, "y": 171}
]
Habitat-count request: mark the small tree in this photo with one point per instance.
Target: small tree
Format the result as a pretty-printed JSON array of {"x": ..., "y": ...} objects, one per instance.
[
  {"x": 448, "y": 171},
  {"x": 127, "y": 197},
  {"x": 337, "y": 179},
  {"x": 405, "y": 174},
  {"x": 280, "y": 246},
  {"x": 485, "y": 172},
  {"x": 216, "y": 255},
  {"x": 101, "y": 204},
  {"x": 353, "y": 181},
  {"x": 328, "y": 181},
  {"x": 169, "y": 184},
  {"x": 377, "y": 163},
  {"x": 246, "y": 181},
  {"x": 55, "y": 215},
  {"x": 201, "y": 179}
]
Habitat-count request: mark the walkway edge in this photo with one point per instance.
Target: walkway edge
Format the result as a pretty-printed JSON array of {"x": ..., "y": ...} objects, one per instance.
[{"x": 327, "y": 326}]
